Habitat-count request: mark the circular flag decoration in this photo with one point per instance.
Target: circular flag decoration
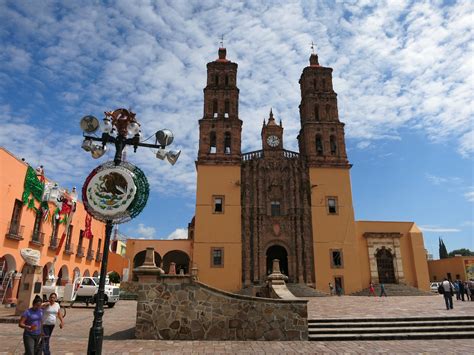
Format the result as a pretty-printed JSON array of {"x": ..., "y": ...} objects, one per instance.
[{"x": 115, "y": 193}]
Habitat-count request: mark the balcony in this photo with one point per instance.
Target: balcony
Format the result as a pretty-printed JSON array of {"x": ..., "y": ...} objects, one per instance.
[
  {"x": 90, "y": 255},
  {"x": 98, "y": 257},
  {"x": 53, "y": 242},
  {"x": 37, "y": 239},
  {"x": 69, "y": 249},
  {"x": 15, "y": 231},
  {"x": 80, "y": 251}
]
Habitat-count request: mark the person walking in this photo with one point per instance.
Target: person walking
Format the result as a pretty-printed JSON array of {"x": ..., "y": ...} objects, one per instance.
[
  {"x": 371, "y": 290},
  {"x": 30, "y": 321},
  {"x": 52, "y": 312},
  {"x": 461, "y": 289},
  {"x": 456, "y": 289},
  {"x": 382, "y": 290},
  {"x": 448, "y": 290}
]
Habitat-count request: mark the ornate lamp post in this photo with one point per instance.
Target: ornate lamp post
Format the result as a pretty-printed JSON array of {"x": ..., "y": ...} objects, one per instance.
[{"x": 115, "y": 192}]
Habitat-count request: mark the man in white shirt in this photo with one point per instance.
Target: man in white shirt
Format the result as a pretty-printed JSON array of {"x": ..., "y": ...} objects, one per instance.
[{"x": 448, "y": 288}]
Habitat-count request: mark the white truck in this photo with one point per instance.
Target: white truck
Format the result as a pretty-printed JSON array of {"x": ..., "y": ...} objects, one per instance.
[{"x": 83, "y": 289}]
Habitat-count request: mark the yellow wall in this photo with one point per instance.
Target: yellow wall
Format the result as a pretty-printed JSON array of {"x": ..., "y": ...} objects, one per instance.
[
  {"x": 218, "y": 230},
  {"x": 455, "y": 265},
  {"x": 413, "y": 253},
  {"x": 334, "y": 231},
  {"x": 161, "y": 246},
  {"x": 12, "y": 177}
]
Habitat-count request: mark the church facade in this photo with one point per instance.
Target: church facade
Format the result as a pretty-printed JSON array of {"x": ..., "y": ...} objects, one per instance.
[{"x": 253, "y": 207}]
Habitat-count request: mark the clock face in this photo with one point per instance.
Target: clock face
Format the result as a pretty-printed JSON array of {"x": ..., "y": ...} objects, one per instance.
[{"x": 273, "y": 141}]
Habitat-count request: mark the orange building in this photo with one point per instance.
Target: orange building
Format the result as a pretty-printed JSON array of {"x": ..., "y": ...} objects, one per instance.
[
  {"x": 454, "y": 268},
  {"x": 22, "y": 227},
  {"x": 273, "y": 203}
]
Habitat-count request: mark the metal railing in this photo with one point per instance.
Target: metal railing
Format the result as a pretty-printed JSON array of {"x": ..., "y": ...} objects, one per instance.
[
  {"x": 258, "y": 154},
  {"x": 80, "y": 251},
  {"x": 15, "y": 230},
  {"x": 37, "y": 238},
  {"x": 90, "y": 254}
]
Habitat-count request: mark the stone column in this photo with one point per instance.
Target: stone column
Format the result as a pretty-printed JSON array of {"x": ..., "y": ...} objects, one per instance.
[
  {"x": 13, "y": 290},
  {"x": 172, "y": 270},
  {"x": 148, "y": 272},
  {"x": 32, "y": 282}
]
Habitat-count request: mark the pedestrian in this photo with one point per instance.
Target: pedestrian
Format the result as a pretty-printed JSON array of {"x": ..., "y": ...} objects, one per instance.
[
  {"x": 52, "y": 312},
  {"x": 371, "y": 290},
  {"x": 456, "y": 289},
  {"x": 382, "y": 290},
  {"x": 461, "y": 289},
  {"x": 338, "y": 290},
  {"x": 468, "y": 291},
  {"x": 331, "y": 289},
  {"x": 448, "y": 291},
  {"x": 30, "y": 321}
]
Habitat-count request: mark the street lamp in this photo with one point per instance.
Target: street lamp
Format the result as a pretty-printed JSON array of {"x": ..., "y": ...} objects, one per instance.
[{"x": 116, "y": 192}]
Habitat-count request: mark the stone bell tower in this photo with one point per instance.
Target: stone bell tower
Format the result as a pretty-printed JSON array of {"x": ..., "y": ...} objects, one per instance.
[
  {"x": 322, "y": 146},
  {"x": 217, "y": 232}
]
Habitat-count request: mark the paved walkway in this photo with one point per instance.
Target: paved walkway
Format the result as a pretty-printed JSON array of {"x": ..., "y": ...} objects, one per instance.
[{"x": 119, "y": 323}]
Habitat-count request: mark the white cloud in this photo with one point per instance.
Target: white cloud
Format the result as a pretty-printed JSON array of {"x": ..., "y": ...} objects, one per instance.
[
  {"x": 469, "y": 196},
  {"x": 440, "y": 180},
  {"x": 438, "y": 229},
  {"x": 145, "y": 232},
  {"x": 179, "y": 233}
]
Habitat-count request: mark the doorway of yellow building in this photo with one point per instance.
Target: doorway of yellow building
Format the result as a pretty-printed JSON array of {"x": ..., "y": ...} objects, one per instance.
[
  {"x": 277, "y": 252},
  {"x": 385, "y": 266}
]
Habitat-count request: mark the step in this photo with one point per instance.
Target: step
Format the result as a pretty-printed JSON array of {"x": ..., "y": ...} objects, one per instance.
[
  {"x": 388, "y": 320},
  {"x": 439, "y": 328},
  {"x": 463, "y": 322},
  {"x": 391, "y": 336}
]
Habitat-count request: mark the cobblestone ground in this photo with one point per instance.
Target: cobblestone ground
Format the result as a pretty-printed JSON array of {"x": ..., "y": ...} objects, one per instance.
[{"x": 119, "y": 323}]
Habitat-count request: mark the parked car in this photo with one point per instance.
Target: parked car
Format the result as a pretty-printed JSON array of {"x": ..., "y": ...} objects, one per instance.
[{"x": 434, "y": 286}]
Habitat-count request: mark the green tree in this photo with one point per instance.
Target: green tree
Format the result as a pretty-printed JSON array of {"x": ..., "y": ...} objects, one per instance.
[
  {"x": 114, "y": 277},
  {"x": 462, "y": 251},
  {"x": 443, "y": 252}
]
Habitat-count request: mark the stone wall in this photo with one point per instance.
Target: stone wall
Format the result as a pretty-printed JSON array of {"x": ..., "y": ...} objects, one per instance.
[{"x": 177, "y": 307}]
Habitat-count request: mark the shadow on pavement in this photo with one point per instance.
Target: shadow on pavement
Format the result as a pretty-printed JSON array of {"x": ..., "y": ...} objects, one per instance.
[{"x": 122, "y": 335}]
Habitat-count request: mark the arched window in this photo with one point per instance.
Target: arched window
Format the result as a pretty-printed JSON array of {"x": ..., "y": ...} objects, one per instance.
[
  {"x": 275, "y": 208},
  {"x": 226, "y": 108},
  {"x": 324, "y": 84},
  {"x": 214, "y": 108},
  {"x": 333, "y": 144},
  {"x": 212, "y": 144},
  {"x": 315, "y": 83},
  {"x": 226, "y": 80},
  {"x": 319, "y": 145},
  {"x": 227, "y": 143},
  {"x": 316, "y": 112},
  {"x": 216, "y": 79},
  {"x": 328, "y": 112}
]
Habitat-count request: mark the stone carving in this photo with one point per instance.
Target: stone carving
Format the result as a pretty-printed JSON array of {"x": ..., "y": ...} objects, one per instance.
[{"x": 31, "y": 256}]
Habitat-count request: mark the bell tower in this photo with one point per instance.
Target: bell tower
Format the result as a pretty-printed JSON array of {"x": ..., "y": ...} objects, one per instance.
[
  {"x": 220, "y": 128},
  {"x": 217, "y": 247},
  {"x": 272, "y": 134},
  {"x": 322, "y": 147},
  {"x": 321, "y": 138}
]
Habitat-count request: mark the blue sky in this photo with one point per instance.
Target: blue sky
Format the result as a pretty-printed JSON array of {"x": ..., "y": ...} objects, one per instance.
[{"x": 403, "y": 71}]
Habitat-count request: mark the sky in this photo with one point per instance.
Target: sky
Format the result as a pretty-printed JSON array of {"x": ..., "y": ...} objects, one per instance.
[{"x": 403, "y": 72}]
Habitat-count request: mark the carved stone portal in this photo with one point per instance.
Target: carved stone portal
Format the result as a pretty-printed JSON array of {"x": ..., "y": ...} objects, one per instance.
[{"x": 385, "y": 244}]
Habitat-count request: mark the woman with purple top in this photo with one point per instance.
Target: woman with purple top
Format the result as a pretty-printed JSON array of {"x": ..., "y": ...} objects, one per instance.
[{"x": 31, "y": 321}]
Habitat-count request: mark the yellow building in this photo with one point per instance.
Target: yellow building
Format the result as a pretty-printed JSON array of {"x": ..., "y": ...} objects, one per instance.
[
  {"x": 455, "y": 268},
  {"x": 275, "y": 203}
]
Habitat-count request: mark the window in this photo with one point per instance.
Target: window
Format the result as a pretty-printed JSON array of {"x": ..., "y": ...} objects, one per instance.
[
  {"x": 16, "y": 217},
  {"x": 434, "y": 278},
  {"x": 218, "y": 204},
  {"x": 275, "y": 208},
  {"x": 226, "y": 80},
  {"x": 227, "y": 143},
  {"x": 332, "y": 205},
  {"x": 212, "y": 144},
  {"x": 336, "y": 258},
  {"x": 226, "y": 108},
  {"x": 328, "y": 112},
  {"x": 216, "y": 79},
  {"x": 69, "y": 237},
  {"x": 215, "y": 108},
  {"x": 333, "y": 144},
  {"x": 324, "y": 84},
  {"x": 316, "y": 112},
  {"x": 37, "y": 226},
  {"x": 449, "y": 276},
  {"x": 99, "y": 245},
  {"x": 315, "y": 84},
  {"x": 217, "y": 257},
  {"x": 81, "y": 238},
  {"x": 55, "y": 230},
  {"x": 319, "y": 145}
]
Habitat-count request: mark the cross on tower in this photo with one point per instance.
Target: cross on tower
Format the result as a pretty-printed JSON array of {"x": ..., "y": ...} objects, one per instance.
[
  {"x": 222, "y": 41},
  {"x": 312, "y": 46}
]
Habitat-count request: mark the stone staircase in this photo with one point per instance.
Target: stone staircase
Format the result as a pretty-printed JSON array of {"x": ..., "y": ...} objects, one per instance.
[
  {"x": 455, "y": 327},
  {"x": 395, "y": 290},
  {"x": 301, "y": 290}
]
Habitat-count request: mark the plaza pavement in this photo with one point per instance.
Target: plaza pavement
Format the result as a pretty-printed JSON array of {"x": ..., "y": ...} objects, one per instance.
[{"x": 119, "y": 323}]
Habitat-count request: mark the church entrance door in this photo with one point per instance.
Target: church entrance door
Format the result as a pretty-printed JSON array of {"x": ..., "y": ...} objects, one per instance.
[
  {"x": 385, "y": 266},
  {"x": 277, "y": 252}
]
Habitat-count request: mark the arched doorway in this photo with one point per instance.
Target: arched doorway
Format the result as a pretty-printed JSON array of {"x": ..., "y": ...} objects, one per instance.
[
  {"x": 385, "y": 266},
  {"x": 86, "y": 273},
  {"x": 76, "y": 273},
  {"x": 46, "y": 269},
  {"x": 180, "y": 258},
  {"x": 277, "y": 252},
  {"x": 95, "y": 274},
  {"x": 139, "y": 259},
  {"x": 63, "y": 276}
]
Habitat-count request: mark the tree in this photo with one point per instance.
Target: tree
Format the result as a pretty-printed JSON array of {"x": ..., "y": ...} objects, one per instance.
[
  {"x": 462, "y": 251},
  {"x": 443, "y": 252},
  {"x": 114, "y": 277}
]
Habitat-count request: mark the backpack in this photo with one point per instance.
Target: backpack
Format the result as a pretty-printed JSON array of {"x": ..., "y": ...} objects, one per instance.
[{"x": 441, "y": 289}]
